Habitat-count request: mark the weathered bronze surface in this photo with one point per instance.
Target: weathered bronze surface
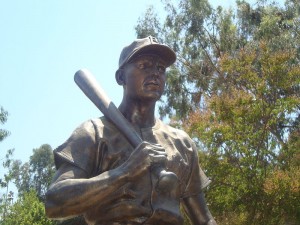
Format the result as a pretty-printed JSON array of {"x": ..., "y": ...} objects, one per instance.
[{"x": 110, "y": 181}]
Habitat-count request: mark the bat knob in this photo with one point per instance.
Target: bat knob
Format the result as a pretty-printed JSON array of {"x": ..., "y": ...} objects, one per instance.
[{"x": 166, "y": 181}]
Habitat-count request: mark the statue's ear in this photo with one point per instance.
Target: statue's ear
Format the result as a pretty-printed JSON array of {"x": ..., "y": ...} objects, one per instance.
[{"x": 120, "y": 77}]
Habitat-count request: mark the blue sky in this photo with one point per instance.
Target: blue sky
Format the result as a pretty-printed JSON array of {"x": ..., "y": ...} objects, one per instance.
[{"x": 43, "y": 43}]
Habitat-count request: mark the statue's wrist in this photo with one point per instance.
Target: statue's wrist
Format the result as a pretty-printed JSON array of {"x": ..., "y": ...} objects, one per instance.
[{"x": 124, "y": 172}]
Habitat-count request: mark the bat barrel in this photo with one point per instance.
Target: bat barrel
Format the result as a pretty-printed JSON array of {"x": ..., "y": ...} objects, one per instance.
[{"x": 90, "y": 87}]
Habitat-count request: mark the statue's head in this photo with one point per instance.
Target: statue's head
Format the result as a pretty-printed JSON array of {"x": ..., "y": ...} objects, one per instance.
[{"x": 142, "y": 69}]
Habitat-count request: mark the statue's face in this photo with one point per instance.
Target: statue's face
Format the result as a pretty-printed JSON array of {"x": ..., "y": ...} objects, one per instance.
[{"x": 144, "y": 78}]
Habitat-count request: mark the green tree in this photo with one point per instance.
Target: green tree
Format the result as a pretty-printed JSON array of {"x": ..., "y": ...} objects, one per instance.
[
  {"x": 32, "y": 180},
  {"x": 3, "y": 134},
  {"x": 3, "y": 118},
  {"x": 236, "y": 89},
  {"x": 244, "y": 131},
  {"x": 4, "y": 182},
  {"x": 27, "y": 210},
  {"x": 35, "y": 174},
  {"x": 21, "y": 175},
  {"x": 42, "y": 168}
]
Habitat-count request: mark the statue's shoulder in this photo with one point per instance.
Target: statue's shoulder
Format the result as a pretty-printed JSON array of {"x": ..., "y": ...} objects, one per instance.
[
  {"x": 81, "y": 148},
  {"x": 174, "y": 131},
  {"x": 103, "y": 127}
]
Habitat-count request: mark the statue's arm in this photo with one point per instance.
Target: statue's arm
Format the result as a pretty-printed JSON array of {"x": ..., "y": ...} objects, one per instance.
[
  {"x": 197, "y": 210},
  {"x": 72, "y": 193}
]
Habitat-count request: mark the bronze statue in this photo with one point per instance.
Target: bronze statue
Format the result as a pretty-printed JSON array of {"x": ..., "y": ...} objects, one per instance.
[{"x": 101, "y": 176}]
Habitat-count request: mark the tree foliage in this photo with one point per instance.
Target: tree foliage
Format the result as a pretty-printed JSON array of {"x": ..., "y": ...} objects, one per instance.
[
  {"x": 4, "y": 182},
  {"x": 244, "y": 130},
  {"x": 42, "y": 168},
  {"x": 235, "y": 88},
  {"x": 3, "y": 118},
  {"x": 35, "y": 174},
  {"x": 32, "y": 180},
  {"x": 27, "y": 210}
]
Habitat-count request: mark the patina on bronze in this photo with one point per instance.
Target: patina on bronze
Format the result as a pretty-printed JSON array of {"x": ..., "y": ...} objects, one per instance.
[
  {"x": 164, "y": 182},
  {"x": 108, "y": 180}
]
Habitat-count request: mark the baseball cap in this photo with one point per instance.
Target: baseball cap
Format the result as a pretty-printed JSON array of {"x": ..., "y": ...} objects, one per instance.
[{"x": 145, "y": 46}]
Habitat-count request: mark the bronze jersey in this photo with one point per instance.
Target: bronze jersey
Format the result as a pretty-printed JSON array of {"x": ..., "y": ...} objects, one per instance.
[{"x": 97, "y": 146}]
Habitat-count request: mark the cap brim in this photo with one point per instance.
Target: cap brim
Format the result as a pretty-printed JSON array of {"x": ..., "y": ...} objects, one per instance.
[{"x": 166, "y": 53}]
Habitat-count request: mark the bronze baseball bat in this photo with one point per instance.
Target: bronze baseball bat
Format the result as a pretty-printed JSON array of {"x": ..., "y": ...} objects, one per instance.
[{"x": 90, "y": 87}]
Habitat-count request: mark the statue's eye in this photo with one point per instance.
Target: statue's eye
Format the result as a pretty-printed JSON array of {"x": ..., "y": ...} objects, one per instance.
[
  {"x": 145, "y": 64},
  {"x": 161, "y": 68},
  {"x": 140, "y": 65}
]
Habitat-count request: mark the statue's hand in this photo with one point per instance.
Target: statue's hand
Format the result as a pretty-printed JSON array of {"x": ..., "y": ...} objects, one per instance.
[{"x": 143, "y": 157}]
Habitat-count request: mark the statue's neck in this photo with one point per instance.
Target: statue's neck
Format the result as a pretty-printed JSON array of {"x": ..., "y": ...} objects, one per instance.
[{"x": 139, "y": 114}]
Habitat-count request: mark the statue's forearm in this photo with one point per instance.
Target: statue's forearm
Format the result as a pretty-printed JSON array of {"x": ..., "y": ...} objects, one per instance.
[
  {"x": 197, "y": 210},
  {"x": 72, "y": 197},
  {"x": 69, "y": 196}
]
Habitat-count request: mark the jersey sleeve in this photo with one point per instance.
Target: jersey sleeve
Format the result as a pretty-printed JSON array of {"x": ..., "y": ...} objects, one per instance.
[
  {"x": 197, "y": 179},
  {"x": 80, "y": 149}
]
